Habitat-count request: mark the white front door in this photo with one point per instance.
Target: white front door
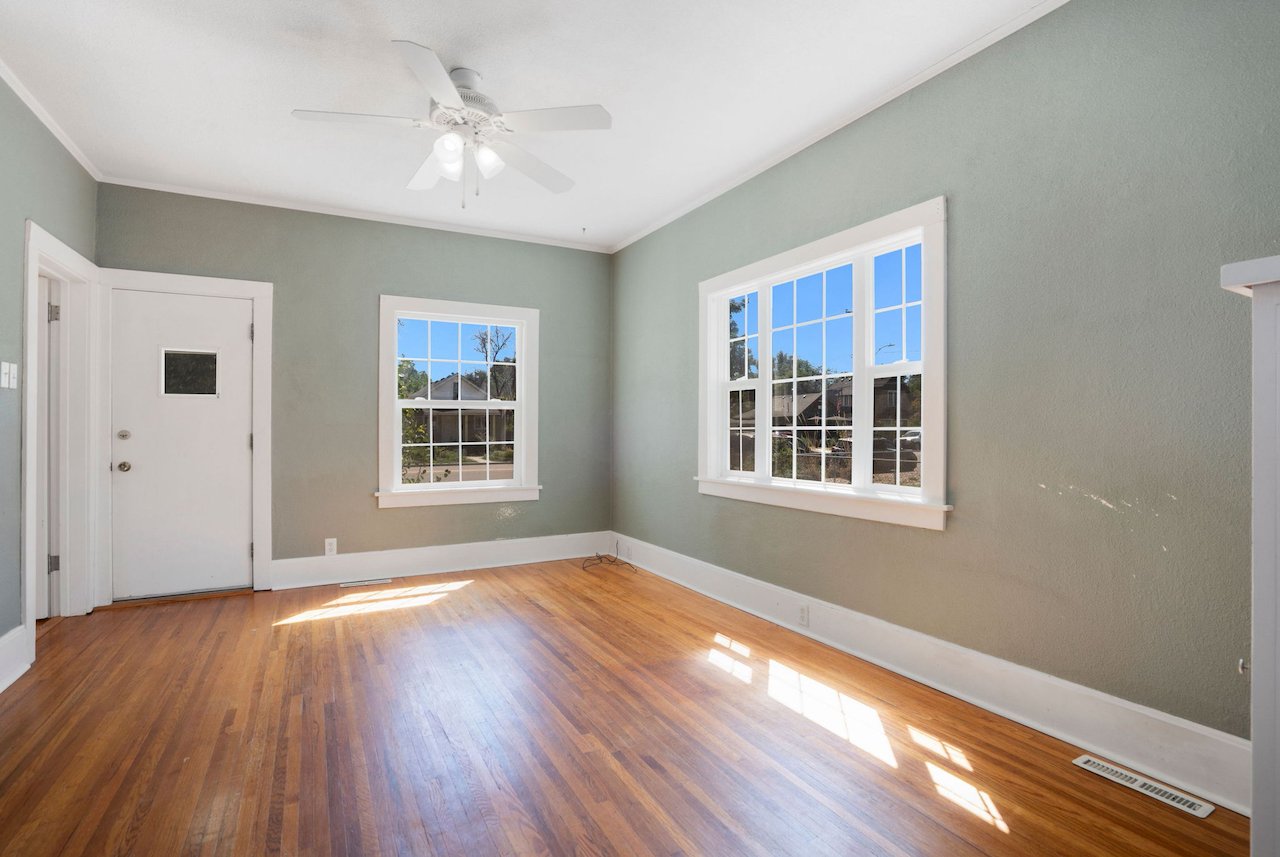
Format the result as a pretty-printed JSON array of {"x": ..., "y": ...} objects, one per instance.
[{"x": 181, "y": 417}]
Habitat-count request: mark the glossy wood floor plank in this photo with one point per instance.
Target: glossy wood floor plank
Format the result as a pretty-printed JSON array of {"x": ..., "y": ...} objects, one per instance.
[{"x": 524, "y": 711}]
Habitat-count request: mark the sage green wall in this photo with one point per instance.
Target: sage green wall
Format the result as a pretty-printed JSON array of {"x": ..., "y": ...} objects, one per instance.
[
  {"x": 41, "y": 182},
  {"x": 328, "y": 273},
  {"x": 1099, "y": 166}
]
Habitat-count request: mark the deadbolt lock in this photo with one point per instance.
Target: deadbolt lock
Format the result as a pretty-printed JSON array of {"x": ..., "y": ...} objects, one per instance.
[{"x": 124, "y": 467}]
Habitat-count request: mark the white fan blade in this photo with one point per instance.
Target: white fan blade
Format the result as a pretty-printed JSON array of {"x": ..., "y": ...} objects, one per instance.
[
  {"x": 427, "y": 175},
  {"x": 362, "y": 118},
  {"x": 431, "y": 73},
  {"x": 536, "y": 169},
  {"x": 588, "y": 117}
]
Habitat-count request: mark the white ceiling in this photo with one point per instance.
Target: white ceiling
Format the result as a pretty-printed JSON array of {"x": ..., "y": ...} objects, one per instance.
[{"x": 195, "y": 96}]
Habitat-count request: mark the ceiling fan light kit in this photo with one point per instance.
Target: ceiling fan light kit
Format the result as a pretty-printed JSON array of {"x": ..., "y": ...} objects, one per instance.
[{"x": 466, "y": 120}]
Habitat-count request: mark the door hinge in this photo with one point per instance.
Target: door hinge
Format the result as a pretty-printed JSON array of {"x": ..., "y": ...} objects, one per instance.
[
  {"x": 251, "y": 331},
  {"x": 55, "y": 312},
  {"x": 250, "y": 550},
  {"x": 55, "y": 563},
  {"x": 251, "y": 440}
]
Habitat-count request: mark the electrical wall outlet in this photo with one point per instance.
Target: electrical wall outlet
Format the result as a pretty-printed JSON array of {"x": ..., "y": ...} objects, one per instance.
[
  {"x": 330, "y": 547},
  {"x": 804, "y": 615}
]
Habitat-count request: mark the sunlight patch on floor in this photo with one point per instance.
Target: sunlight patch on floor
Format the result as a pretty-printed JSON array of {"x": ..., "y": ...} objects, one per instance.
[
  {"x": 856, "y": 722},
  {"x": 942, "y": 748},
  {"x": 967, "y": 796},
  {"x": 378, "y": 601}
]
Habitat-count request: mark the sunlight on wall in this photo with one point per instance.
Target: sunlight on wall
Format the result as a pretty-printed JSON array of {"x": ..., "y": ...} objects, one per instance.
[
  {"x": 378, "y": 601},
  {"x": 857, "y": 723},
  {"x": 942, "y": 748},
  {"x": 966, "y": 796}
]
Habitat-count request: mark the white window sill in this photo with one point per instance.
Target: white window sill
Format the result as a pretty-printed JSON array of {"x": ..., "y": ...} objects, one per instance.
[
  {"x": 454, "y": 496},
  {"x": 851, "y": 503}
]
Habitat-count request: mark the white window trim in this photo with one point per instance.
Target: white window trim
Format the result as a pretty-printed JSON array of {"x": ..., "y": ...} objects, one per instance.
[
  {"x": 524, "y": 485},
  {"x": 927, "y": 507}
]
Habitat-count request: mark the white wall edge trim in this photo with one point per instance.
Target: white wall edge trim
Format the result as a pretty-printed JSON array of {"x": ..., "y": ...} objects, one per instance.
[
  {"x": 976, "y": 46},
  {"x": 9, "y": 76},
  {"x": 434, "y": 559},
  {"x": 15, "y": 656},
  {"x": 1187, "y": 755}
]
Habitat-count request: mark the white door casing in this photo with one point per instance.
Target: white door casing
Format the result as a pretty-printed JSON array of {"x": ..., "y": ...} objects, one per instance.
[{"x": 181, "y": 419}]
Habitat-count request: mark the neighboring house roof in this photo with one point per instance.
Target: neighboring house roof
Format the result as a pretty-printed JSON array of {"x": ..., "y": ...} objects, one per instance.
[{"x": 467, "y": 391}]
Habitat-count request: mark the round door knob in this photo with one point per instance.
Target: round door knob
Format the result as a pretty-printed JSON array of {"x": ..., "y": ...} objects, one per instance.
[
  {"x": 123, "y": 434},
  {"x": 124, "y": 467}
]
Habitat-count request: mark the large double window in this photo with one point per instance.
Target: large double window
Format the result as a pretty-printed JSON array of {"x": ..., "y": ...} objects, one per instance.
[
  {"x": 823, "y": 378},
  {"x": 458, "y": 402}
]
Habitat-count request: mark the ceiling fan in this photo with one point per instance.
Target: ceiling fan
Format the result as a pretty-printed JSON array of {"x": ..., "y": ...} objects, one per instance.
[{"x": 465, "y": 122}]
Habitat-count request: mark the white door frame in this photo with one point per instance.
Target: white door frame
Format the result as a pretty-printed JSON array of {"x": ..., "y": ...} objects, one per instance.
[
  {"x": 80, "y": 479},
  {"x": 182, "y": 284}
]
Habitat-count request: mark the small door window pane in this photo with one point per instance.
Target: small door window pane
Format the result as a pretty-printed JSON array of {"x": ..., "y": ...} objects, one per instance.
[{"x": 190, "y": 373}]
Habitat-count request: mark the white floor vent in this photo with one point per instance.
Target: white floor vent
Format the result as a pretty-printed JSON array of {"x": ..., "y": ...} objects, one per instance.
[
  {"x": 1137, "y": 782},
  {"x": 364, "y": 582}
]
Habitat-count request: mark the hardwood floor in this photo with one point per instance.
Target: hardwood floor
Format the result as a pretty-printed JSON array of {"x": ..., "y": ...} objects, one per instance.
[{"x": 529, "y": 710}]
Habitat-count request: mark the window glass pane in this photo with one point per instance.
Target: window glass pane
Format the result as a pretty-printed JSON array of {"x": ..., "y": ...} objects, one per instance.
[
  {"x": 888, "y": 337},
  {"x": 888, "y": 279},
  {"x": 475, "y": 342},
  {"x": 885, "y": 402},
  {"x": 909, "y": 459},
  {"x": 735, "y": 450},
  {"x": 501, "y": 461},
  {"x": 502, "y": 344},
  {"x": 784, "y": 403},
  {"x": 783, "y": 453},
  {"x": 737, "y": 316},
  {"x": 753, "y": 314},
  {"x": 502, "y": 382},
  {"x": 753, "y": 360},
  {"x": 783, "y": 309},
  {"x": 913, "y": 273},
  {"x": 444, "y": 340},
  {"x": 735, "y": 408},
  {"x": 748, "y": 413},
  {"x": 474, "y": 385},
  {"x": 413, "y": 380},
  {"x": 749, "y": 451},
  {"x": 884, "y": 457},
  {"x": 190, "y": 373},
  {"x": 737, "y": 359},
  {"x": 502, "y": 426},
  {"x": 913, "y": 332},
  {"x": 809, "y": 455},
  {"x": 839, "y": 345},
  {"x": 475, "y": 463},
  {"x": 444, "y": 464},
  {"x": 809, "y": 350},
  {"x": 838, "y": 456},
  {"x": 444, "y": 381},
  {"x": 809, "y": 402},
  {"x": 909, "y": 413},
  {"x": 415, "y": 425},
  {"x": 809, "y": 298},
  {"x": 838, "y": 401},
  {"x": 411, "y": 338},
  {"x": 840, "y": 290},
  {"x": 474, "y": 426},
  {"x": 444, "y": 425},
  {"x": 784, "y": 343},
  {"x": 415, "y": 465}
]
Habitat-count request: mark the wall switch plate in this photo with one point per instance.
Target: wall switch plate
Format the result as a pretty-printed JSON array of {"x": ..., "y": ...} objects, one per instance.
[
  {"x": 4, "y": 375},
  {"x": 330, "y": 547}
]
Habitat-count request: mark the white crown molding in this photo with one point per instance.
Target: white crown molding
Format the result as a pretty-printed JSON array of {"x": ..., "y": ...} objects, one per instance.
[
  {"x": 1187, "y": 755},
  {"x": 434, "y": 559},
  {"x": 357, "y": 214},
  {"x": 1017, "y": 23},
  {"x": 15, "y": 83}
]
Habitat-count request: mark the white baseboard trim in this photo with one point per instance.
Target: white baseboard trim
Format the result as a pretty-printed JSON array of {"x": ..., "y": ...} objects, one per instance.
[
  {"x": 433, "y": 559},
  {"x": 15, "y": 656},
  {"x": 1192, "y": 757}
]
